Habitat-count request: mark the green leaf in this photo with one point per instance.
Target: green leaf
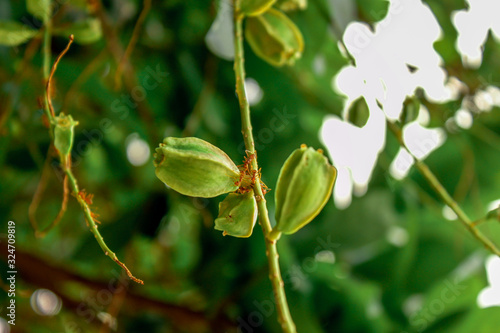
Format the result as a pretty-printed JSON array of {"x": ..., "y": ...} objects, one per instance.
[
  {"x": 39, "y": 9},
  {"x": 86, "y": 32},
  {"x": 14, "y": 33},
  {"x": 358, "y": 112}
]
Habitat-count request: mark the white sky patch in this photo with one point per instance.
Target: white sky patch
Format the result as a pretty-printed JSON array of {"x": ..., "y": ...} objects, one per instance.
[
  {"x": 473, "y": 25},
  {"x": 495, "y": 94},
  {"x": 494, "y": 205},
  {"x": 464, "y": 119},
  {"x": 390, "y": 63},
  {"x": 403, "y": 38},
  {"x": 420, "y": 141},
  {"x": 401, "y": 164},
  {"x": 483, "y": 100},
  {"x": 490, "y": 296},
  {"x": 449, "y": 214},
  {"x": 342, "y": 191},
  {"x": 454, "y": 87},
  {"x": 253, "y": 91},
  {"x": 354, "y": 151},
  {"x": 219, "y": 38},
  {"x": 138, "y": 151}
]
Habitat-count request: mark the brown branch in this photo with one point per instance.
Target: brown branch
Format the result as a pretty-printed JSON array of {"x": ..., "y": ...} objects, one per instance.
[
  {"x": 53, "y": 70},
  {"x": 57, "y": 279},
  {"x": 115, "y": 48},
  {"x": 133, "y": 41}
]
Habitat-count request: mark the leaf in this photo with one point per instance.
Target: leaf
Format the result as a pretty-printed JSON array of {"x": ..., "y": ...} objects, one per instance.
[
  {"x": 14, "y": 33},
  {"x": 39, "y": 9},
  {"x": 86, "y": 31},
  {"x": 358, "y": 112}
]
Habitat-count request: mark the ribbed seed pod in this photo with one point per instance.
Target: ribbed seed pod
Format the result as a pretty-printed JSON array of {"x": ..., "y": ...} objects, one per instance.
[
  {"x": 194, "y": 167},
  {"x": 290, "y": 5},
  {"x": 274, "y": 38},
  {"x": 64, "y": 132},
  {"x": 237, "y": 215},
  {"x": 255, "y": 7},
  {"x": 304, "y": 185}
]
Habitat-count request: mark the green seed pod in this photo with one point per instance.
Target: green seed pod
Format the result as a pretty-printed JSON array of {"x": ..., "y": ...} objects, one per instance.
[
  {"x": 194, "y": 167},
  {"x": 304, "y": 185},
  {"x": 237, "y": 215},
  {"x": 64, "y": 132},
  {"x": 274, "y": 38},
  {"x": 290, "y": 5},
  {"x": 255, "y": 7}
]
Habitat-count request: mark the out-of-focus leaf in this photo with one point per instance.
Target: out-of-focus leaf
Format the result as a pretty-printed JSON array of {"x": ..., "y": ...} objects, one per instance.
[
  {"x": 86, "y": 31},
  {"x": 39, "y": 8},
  {"x": 479, "y": 321},
  {"x": 358, "y": 112},
  {"x": 14, "y": 33}
]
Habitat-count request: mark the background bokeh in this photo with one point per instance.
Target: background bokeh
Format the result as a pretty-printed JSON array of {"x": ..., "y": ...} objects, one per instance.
[{"x": 393, "y": 260}]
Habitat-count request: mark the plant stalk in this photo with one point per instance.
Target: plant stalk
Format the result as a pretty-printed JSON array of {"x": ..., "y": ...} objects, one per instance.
[
  {"x": 89, "y": 217},
  {"x": 284, "y": 317},
  {"x": 444, "y": 195}
]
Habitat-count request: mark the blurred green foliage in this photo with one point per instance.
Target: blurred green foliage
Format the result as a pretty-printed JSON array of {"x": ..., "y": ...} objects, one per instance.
[{"x": 342, "y": 274}]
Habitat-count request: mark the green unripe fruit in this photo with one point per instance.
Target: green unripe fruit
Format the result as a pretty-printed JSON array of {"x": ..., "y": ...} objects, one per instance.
[
  {"x": 255, "y": 7},
  {"x": 274, "y": 38},
  {"x": 290, "y": 5},
  {"x": 194, "y": 167},
  {"x": 64, "y": 132},
  {"x": 237, "y": 215},
  {"x": 304, "y": 185}
]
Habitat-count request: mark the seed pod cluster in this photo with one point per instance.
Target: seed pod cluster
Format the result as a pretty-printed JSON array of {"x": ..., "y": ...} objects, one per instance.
[
  {"x": 304, "y": 186},
  {"x": 194, "y": 167}
]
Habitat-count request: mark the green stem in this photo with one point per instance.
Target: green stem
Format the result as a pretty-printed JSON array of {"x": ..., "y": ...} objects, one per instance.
[
  {"x": 66, "y": 161},
  {"x": 92, "y": 223},
  {"x": 46, "y": 66},
  {"x": 284, "y": 317},
  {"x": 444, "y": 195}
]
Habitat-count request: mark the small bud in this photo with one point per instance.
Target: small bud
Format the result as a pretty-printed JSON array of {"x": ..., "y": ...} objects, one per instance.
[
  {"x": 274, "y": 38},
  {"x": 237, "y": 215},
  {"x": 64, "y": 132},
  {"x": 304, "y": 185},
  {"x": 194, "y": 167},
  {"x": 255, "y": 7},
  {"x": 290, "y": 5}
]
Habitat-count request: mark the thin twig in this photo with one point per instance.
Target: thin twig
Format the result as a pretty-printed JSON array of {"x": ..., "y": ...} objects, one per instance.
[
  {"x": 62, "y": 210},
  {"x": 47, "y": 38},
  {"x": 133, "y": 40},
  {"x": 82, "y": 200},
  {"x": 49, "y": 101},
  {"x": 284, "y": 317},
  {"x": 37, "y": 197},
  {"x": 444, "y": 195}
]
